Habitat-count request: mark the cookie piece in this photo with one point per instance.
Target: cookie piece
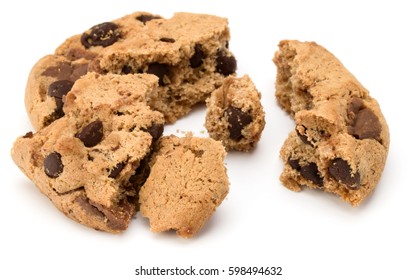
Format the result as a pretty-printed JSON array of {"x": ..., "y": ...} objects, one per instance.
[
  {"x": 235, "y": 115},
  {"x": 52, "y": 76},
  {"x": 188, "y": 53},
  {"x": 187, "y": 182},
  {"x": 91, "y": 162},
  {"x": 341, "y": 139},
  {"x": 50, "y": 80}
]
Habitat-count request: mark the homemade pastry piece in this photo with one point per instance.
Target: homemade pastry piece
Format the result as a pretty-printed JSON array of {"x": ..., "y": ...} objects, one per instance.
[
  {"x": 235, "y": 115},
  {"x": 187, "y": 182},
  {"x": 91, "y": 162},
  {"x": 341, "y": 138},
  {"x": 188, "y": 53}
]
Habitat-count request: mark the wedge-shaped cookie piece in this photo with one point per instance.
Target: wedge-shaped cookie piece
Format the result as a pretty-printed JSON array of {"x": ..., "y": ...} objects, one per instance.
[
  {"x": 235, "y": 115},
  {"x": 91, "y": 162},
  {"x": 187, "y": 182},
  {"x": 341, "y": 139}
]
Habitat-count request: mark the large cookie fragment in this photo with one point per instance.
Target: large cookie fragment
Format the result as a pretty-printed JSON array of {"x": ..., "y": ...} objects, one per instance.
[
  {"x": 188, "y": 53},
  {"x": 87, "y": 162},
  {"x": 235, "y": 115},
  {"x": 341, "y": 138},
  {"x": 187, "y": 182}
]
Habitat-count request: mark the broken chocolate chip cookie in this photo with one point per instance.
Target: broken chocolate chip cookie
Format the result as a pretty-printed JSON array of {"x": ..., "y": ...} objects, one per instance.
[
  {"x": 341, "y": 139},
  {"x": 88, "y": 162},
  {"x": 188, "y": 53},
  {"x": 235, "y": 115}
]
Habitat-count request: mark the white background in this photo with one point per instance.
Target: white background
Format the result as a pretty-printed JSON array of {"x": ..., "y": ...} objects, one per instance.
[{"x": 311, "y": 235}]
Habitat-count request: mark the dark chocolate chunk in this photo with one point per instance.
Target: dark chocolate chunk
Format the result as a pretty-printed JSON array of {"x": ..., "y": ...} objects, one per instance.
[
  {"x": 60, "y": 88},
  {"x": 294, "y": 163},
  {"x": 116, "y": 170},
  {"x": 103, "y": 34},
  {"x": 91, "y": 134},
  {"x": 226, "y": 65},
  {"x": 28, "y": 135},
  {"x": 197, "y": 58},
  {"x": 61, "y": 71},
  {"x": 126, "y": 69},
  {"x": 146, "y": 18},
  {"x": 78, "y": 70},
  {"x": 363, "y": 123},
  {"x": 237, "y": 120},
  {"x": 156, "y": 130},
  {"x": 141, "y": 173},
  {"x": 159, "y": 70},
  {"x": 366, "y": 125},
  {"x": 167, "y": 40},
  {"x": 88, "y": 207},
  {"x": 341, "y": 171},
  {"x": 304, "y": 138},
  {"x": 118, "y": 217},
  {"x": 66, "y": 71},
  {"x": 355, "y": 105},
  {"x": 310, "y": 172},
  {"x": 53, "y": 165}
]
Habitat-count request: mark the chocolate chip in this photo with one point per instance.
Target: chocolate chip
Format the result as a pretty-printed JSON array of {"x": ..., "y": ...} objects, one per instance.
[
  {"x": 310, "y": 172},
  {"x": 197, "y": 58},
  {"x": 61, "y": 71},
  {"x": 103, "y": 34},
  {"x": 356, "y": 104},
  {"x": 79, "y": 70},
  {"x": 226, "y": 65},
  {"x": 60, "y": 88},
  {"x": 116, "y": 170},
  {"x": 118, "y": 217},
  {"x": 156, "y": 130},
  {"x": 88, "y": 207},
  {"x": 366, "y": 125},
  {"x": 126, "y": 69},
  {"x": 66, "y": 71},
  {"x": 363, "y": 123},
  {"x": 141, "y": 173},
  {"x": 91, "y": 134},
  {"x": 159, "y": 70},
  {"x": 146, "y": 18},
  {"x": 167, "y": 40},
  {"x": 237, "y": 120},
  {"x": 28, "y": 135},
  {"x": 294, "y": 163},
  {"x": 341, "y": 171},
  {"x": 304, "y": 138},
  {"x": 53, "y": 165}
]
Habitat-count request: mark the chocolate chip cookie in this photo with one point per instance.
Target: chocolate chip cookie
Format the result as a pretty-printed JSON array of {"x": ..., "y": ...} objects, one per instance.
[
  {"x": 188, "y": 53},
  {"x": 187, "y": 182},
  {"x": 235, "y": 115},
  {"x": 341, "y": 139},
  {"x": 91, "y": 162}
]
